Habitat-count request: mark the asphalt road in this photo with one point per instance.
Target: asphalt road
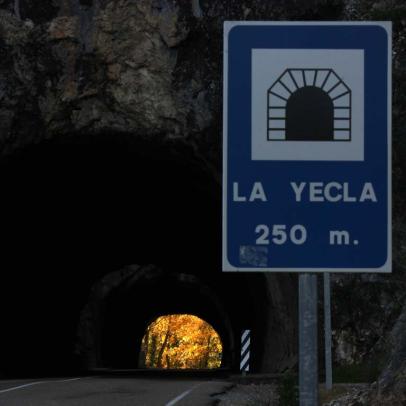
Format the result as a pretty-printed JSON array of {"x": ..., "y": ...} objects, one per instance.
[{"x": 106, "y": 391}]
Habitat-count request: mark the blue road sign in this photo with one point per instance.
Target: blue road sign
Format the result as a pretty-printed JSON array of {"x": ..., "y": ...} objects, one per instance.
[{"x": 307, "y": 147}]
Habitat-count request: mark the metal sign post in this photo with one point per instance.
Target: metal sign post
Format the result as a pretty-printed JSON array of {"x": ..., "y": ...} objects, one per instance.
[
  {"x": 327, "y": 331},
  {"x": 308, "y": 371}
]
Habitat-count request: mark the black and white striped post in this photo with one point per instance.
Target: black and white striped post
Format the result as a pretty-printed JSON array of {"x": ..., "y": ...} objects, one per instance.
[{"x": 245, "y": 352}]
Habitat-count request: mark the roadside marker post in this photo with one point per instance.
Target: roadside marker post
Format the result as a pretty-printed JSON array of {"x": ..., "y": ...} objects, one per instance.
[
  {"x": 245, "y": 351},
  {"x": 307, "y": 157}
]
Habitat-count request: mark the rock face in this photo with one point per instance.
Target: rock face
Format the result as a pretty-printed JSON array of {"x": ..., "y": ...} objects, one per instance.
[
  {"x": 151, "y": 70},
  {"x": 390, "y": 388},
  {"x": 113, "y": 66},
  {"x": 149, "y": 67},
  {"x": 363, "y": 321}
]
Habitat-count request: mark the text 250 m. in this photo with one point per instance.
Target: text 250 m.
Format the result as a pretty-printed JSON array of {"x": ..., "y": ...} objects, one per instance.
[{"x": 280, "y": 234}]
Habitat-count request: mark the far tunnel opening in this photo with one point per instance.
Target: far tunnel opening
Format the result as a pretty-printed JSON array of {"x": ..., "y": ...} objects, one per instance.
[{"x": 180, "y": 341}]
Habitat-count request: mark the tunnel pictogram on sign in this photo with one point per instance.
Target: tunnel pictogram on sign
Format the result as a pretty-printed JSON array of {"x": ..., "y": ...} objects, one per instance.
[{"x": 309, "y": 105}]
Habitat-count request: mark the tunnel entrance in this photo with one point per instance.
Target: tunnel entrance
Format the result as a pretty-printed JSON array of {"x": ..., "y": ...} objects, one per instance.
[
  {"x": 79, "y": 211},
  {"x": 180, "y": 341},
  {"x": 79, "y": 207}
]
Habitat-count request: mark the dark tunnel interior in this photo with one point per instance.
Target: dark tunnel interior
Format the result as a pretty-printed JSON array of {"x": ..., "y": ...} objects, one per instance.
[{"x": 77, "y": 208}]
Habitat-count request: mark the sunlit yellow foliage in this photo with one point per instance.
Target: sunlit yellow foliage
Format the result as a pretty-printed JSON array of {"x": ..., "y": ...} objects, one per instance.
[{"x": 180, "y": 341}]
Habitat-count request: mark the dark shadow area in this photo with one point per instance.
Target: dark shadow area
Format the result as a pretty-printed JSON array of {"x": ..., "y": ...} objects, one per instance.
[{"x": 78, "y": 208}]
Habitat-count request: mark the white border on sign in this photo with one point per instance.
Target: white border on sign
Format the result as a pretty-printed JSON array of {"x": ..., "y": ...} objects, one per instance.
[{"x": 226, "y": 266}]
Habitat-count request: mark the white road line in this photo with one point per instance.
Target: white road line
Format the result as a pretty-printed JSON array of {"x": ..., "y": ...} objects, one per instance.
[
  {"x": 182, "y": 395},
  {"x": 37, "y": 383},
  {"x": 21, "y": 386},
  {"x": 68, "y": 380}
]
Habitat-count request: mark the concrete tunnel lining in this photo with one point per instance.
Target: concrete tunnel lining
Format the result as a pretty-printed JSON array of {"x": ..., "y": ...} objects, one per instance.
[{"x": 115, "y": 320}]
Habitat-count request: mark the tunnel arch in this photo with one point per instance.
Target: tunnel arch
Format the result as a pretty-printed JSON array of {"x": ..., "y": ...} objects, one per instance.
[{"x": 82, "y": 207}]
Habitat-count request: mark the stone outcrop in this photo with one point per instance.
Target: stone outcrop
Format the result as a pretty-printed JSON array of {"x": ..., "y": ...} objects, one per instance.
[
  {"x": 363, "y": 321},
  {"x": 116, "y": 67},
  {"x": 390, "y": 388}
]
